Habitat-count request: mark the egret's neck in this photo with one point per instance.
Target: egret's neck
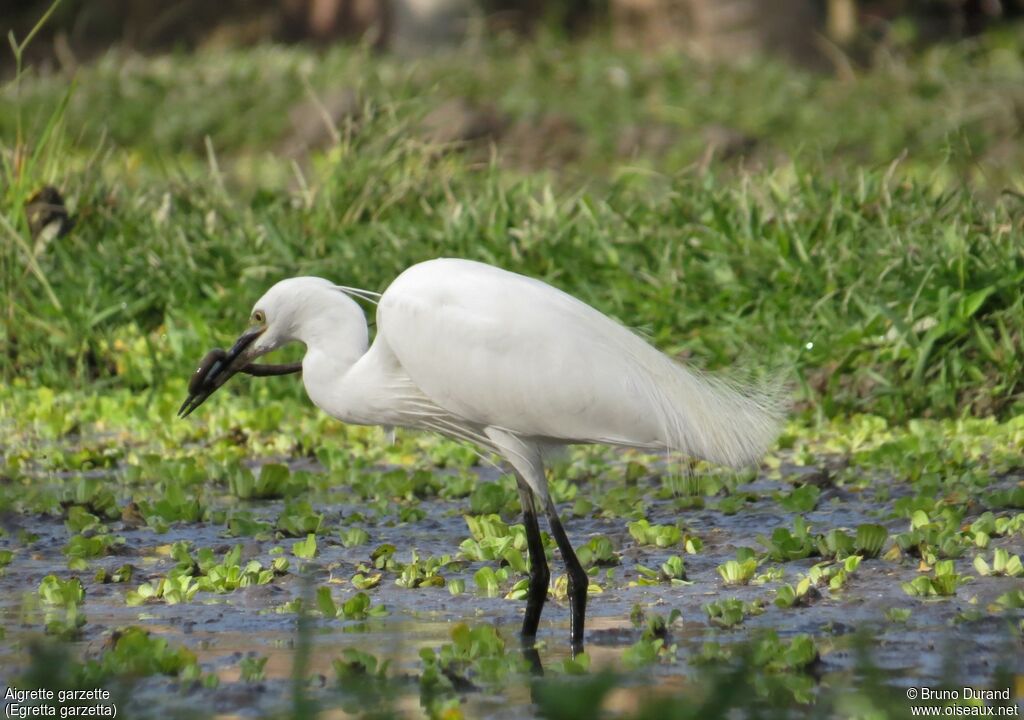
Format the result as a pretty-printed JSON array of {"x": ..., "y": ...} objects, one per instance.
[{"x": 335, "y": 336}]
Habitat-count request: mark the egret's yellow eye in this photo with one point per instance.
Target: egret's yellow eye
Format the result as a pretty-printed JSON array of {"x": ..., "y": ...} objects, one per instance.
[{"x": 258, "y": 318}]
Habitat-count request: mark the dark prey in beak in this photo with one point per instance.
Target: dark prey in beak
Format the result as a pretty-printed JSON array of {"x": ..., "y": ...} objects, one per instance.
[{"x": 217, "y": 367}]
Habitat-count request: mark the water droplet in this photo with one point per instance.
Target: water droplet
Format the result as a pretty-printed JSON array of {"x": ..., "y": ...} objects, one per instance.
[{"x": 809, "y": 346}]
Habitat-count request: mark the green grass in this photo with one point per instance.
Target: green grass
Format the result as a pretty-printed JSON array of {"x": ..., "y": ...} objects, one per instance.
[{"x": 892, "y": 286}]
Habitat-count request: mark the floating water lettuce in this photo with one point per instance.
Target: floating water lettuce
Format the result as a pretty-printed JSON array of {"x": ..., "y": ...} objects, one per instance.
[
  {"x": 305, "y": 549},
  {"x": 731, "y": 612},
  {"x": 661, "y": 536},
  {"x": 943, "y": 583},
  {"x": 741, "y": 570},
  {"x": 1002, "y": 564},
  {"x": 870, "y": 540}
]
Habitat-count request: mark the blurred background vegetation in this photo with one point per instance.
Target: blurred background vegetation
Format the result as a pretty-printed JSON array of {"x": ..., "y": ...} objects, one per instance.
[
  {"x": 800, "y": 29},
  {"x": 833, "y": 186}
]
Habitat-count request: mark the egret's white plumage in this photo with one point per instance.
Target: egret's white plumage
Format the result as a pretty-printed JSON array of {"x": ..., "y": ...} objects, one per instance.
[
  {"x": 462, "y": 347},
  {"x": 510, "y": 363}
]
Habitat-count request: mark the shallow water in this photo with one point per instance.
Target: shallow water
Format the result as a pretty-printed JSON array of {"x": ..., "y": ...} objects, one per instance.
[{"x": 222, "y": 629}]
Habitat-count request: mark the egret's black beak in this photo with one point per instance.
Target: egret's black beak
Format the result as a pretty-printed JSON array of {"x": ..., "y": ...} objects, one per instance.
[{"x": 217, "y": 368}]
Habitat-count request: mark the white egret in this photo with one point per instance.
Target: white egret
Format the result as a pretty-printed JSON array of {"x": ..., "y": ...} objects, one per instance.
[{"x": 504, "y": 361}]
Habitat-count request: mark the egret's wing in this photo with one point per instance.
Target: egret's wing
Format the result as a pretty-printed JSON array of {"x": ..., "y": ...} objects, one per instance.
[{"x": 500, "y": 349}]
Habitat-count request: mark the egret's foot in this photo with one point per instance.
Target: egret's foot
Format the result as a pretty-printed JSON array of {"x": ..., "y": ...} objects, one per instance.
[{"x": 577, "y": 649}]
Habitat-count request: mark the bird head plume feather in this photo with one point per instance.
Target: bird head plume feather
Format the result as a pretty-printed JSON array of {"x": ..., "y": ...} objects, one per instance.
[{"x": 359, "y": 293}]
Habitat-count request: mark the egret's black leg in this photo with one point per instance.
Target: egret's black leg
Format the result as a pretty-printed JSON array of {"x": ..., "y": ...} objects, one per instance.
[
  {"x": 540, "y": 576},
  {"x": 578, "y": 579}
]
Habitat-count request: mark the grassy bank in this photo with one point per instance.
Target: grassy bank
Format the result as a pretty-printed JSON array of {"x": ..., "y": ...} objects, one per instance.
[{"x": 854, "y": 230}]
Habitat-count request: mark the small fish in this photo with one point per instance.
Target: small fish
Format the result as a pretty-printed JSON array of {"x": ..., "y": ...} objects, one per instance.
[
  {"x": 215, "y": 369},
  {"x": 207, "y": 366}
]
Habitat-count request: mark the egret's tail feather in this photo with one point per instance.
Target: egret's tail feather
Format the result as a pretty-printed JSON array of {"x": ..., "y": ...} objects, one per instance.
[{"x": 724, "y": 422}]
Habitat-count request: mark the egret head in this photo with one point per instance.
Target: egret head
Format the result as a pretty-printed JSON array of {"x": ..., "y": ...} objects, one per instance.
[{"x": 276, "y": 319}]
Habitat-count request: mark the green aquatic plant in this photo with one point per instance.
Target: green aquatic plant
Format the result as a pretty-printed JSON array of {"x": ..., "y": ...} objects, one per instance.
[
  {"x": 83, "y": 547},
  {"x": 64, "y": 599},
  {"x": 784, "y": 545},
  {"x": 870, "y": 540},
  {"x": 800, "y": 500},
  {"x": 736, "y": 502},
  {"x": 1012, "y": 600},
  {"x": 647, "y": 651},
  {"x": 488, "y": 580},
  {"x": 767, "y": 652},
  {"x": 597, "y": 552},
  {"x": 354, "y": 536},
  {"x": 305, "y": 549},
  {"x": 616, "y": 501},
  {"x": 202, "y": 572},
  {"x": 654, "y": 644},
  {"x": 357, "y": 607},
  {"x": 1003, "y": 563},
  {"x": 731, "y": 612},
  {"x": 1008, "y": 498},
  {"x": 274, "y": 481},
  {"x": 834, "y": 544},
  {"x": 662, "y": 536},
  {"x": 62, "y": 593},
  {"x": 493, "y": 540},
  {"x": 773, "y": 654},
  {"x": 383, "y": 557},
  {"x": 934, "y": 537},
  {"x": 673, "y": 571},
  {"x": 357, "y": 665},
  {"x": 135, "y": 652},
  {"x": 94, "y": 497},
  {"x": 837, "y": 574},
  {"x": 991, "y": 526},
  {"x": 253, "y": 668},
  {"x": 898, "y": 615},
  {"x": 476, "y": 654},
  {"x": 425, "y": 572},
  {"x": 943, "y": 583},
  {"x": 741, "y": 570},
  {"x": 298, "y": 519},
  {"x": 493, "y": 498},
  {"x": 800, "y": 595},
  {"x": 366, "y": 582},
  {"x": 79, "y": 520},
  {"x": 243, "y": 523},
  {"x": 231, "y": 574}
]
